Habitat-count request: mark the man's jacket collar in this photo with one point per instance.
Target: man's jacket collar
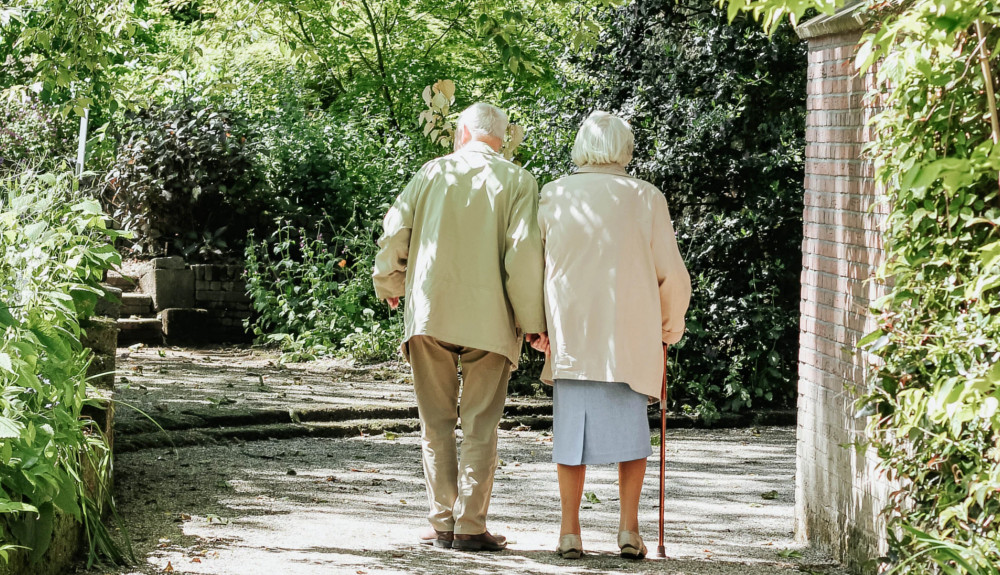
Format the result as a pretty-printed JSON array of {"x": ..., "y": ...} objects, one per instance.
[{"x": 478, "y": 147}]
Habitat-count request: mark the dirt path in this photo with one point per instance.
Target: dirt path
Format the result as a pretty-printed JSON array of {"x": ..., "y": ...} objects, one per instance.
[{"x": 321, "y": 504}]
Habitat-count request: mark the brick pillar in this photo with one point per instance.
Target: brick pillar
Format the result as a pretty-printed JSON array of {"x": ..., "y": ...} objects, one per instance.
[{"x": 839, "y": 492}]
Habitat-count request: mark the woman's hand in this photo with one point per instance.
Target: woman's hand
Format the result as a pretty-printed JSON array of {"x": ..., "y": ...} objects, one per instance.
[{"x": 538, "y": 341}]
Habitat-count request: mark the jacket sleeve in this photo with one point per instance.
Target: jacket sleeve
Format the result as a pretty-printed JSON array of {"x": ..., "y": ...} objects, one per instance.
[
  {"x": 523, "y": 260},
  {"x": 671, "y": 275},
  {"x": 394, "y": 244}
]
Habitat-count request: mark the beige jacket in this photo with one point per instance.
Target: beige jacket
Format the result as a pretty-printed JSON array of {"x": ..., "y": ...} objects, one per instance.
[
  {"x": 461, "y": 243},
  {"x": 615, "y": 284}
]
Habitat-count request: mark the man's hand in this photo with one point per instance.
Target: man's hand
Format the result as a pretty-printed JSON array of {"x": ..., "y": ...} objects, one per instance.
[
  {"x": 539, "y": 341},
  {"x": 393, "y": 302}
]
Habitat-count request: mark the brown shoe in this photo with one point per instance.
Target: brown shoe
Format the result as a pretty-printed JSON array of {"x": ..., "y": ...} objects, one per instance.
[
  {"x": 482, "y": 542},
  {"x": 432, "y": 536}
]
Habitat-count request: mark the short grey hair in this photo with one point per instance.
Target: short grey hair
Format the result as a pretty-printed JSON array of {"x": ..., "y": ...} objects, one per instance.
[
  {"x": 603, "y": 139},
  {"x": 483, "y": 120}
]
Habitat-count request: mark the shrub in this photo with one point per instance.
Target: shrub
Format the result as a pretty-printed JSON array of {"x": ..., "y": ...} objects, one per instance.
[
  {"x": 32, "y": 134},
  {"x": 718, "y": 110},
  {"x": 181, "y": 182},
  {"x": 53, "y": 251},
  {"x": 313, "y": 297}
]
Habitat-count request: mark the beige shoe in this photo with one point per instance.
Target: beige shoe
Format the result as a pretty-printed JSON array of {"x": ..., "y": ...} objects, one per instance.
[
  {"x": 631, "y": 545},
  {"x": 570, "y": 546}
]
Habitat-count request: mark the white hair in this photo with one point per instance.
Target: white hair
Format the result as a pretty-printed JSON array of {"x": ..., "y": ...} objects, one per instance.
[
  {"x": 483, "y": 120},
  {"x": 603, "y": 139}
]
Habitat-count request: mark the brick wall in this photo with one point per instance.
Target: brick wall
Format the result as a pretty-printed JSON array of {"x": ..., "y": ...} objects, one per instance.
[
  {"x": 839, "y": 492},
  {"x": 221, "y": 290}
]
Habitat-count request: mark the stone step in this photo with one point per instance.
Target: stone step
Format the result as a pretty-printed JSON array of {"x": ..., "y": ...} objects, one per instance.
[
  {"x": 148, "y": 330},
  {"x": 179, "y": 438},
  {"x": 122, "y": 282},
  {"x": 136, "y": 303}
]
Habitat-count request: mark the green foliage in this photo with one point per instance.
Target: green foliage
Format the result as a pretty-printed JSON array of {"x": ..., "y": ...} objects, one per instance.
[
  {"x": 937, "y": 388},
  {"x": 377, "y": 54},
  {"x": 694, "y": 88},
  {"x": 313, "y": 297},
  {"x": 70, "y": 52},
  {"x": 181, "y": 176},
  {"x": 33, "y": 134},
  {"x": 772, "y": 13},
  {"x": 54, "y": 249},
  {"x": 299, "y": 152}
]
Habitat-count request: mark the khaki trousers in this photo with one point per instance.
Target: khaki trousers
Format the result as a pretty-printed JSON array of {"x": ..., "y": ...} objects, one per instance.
[{"x": 458, "y": 491}]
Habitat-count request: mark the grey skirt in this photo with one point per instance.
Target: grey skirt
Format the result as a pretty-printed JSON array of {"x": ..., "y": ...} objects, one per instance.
[{"x": 596, "y": 422}]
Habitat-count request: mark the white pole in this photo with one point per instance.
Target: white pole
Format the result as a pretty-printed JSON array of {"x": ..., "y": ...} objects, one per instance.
[{"x": 82, "y": 149}]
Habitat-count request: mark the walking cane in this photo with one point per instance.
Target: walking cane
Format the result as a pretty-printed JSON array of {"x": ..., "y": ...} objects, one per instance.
[{"x": 660, "y": 550}]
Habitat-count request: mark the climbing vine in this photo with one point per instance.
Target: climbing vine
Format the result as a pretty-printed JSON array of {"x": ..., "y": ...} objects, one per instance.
[{"x": 935, "y": 392}]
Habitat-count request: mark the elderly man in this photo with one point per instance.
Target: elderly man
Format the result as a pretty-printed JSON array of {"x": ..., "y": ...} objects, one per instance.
[{"x": 462, "y": 244}]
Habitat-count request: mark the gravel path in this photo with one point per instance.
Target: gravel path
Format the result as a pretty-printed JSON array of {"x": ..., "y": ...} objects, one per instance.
[{"x": 354, "y": 504}]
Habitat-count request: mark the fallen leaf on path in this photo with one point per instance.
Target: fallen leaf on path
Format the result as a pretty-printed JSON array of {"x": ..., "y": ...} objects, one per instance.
[
  {"x": 789, "y": 554},
  {"x": 591, "y": 497},
  {"x": 196, "y": 560},
  {"x": 769, "y": 495},
  {"x": 169, "y": 568},
  {"x": 390, "y": 436}
]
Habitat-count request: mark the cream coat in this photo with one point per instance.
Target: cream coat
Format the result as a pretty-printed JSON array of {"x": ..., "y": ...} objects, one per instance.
[
  {"x": 615, "y": 283},
  {"x": 461, "y": 243}
]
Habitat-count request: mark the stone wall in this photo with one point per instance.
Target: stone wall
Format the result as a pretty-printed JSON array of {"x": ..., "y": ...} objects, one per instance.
[
  {"x": 222, "y": 291},
  {"x": 839, "y": 492},
  {"x": 180, "y": 304}
]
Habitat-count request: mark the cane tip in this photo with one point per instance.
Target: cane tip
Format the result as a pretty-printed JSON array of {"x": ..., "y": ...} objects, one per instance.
[{"x": 661, "y": 552}]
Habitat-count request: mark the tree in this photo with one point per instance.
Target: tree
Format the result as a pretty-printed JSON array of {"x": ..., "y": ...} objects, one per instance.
[
  {"x": 694, "y": 87},
  {"x": 70, "y": 52},
  {"x": 386, "y": 51}
]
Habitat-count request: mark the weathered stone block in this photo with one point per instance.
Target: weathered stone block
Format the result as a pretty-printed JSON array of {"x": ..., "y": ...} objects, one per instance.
[
  {"x": 187, "y": 326},
  {"x": 143, "y": 330},
  {"x": 171, "y": 263},
  {"x": 115, "y": 279},
  {"x": 136, "y": 304},
  {"x": 101, "y": 371},
  {"x": 109, "y": 305},
  {"x": 235, "y": 296},
  {"x": 100, "y": 334},
  {"x": 169, "y": 287},
  {"x": 67, "y": 539}
]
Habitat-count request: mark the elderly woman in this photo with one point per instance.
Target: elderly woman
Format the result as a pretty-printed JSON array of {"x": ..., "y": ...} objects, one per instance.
[{"x": 616, "y": 291}]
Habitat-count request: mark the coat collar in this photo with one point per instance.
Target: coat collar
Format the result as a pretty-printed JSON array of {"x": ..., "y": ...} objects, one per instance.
[
  {"x": 479, "y": 147},
  {"x": 602, "y": 169}
]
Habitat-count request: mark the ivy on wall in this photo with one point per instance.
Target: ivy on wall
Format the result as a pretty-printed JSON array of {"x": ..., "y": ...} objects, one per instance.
[{"x": 935, "y": 394}]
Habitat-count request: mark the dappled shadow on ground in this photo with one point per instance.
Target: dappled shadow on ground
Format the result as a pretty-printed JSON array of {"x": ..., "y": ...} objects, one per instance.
[
  {"x": 355, "y": 505},
  {"x": 172, "y": 380},
  {"x": 182, "y": 388}
]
